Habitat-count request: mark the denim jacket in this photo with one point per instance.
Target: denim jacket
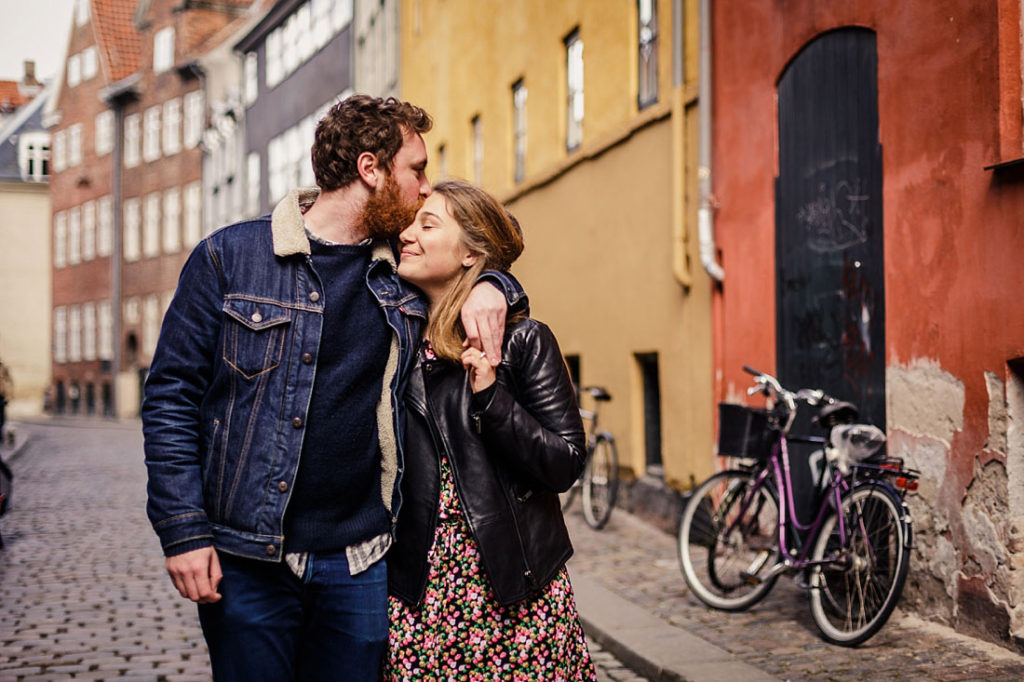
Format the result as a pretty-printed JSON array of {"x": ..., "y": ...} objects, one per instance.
[{"x": 229, "y": 386}]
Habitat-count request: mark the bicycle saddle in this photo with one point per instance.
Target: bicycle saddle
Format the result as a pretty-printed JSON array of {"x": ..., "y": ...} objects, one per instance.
[{"x": 838, "y": 412}]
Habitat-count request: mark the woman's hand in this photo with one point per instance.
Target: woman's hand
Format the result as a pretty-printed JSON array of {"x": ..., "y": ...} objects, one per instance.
[{"x": 481, "y": 372}]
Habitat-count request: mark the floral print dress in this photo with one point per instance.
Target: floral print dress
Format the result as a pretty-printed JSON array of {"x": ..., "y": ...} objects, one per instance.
[{"x": 460, "y": 631}]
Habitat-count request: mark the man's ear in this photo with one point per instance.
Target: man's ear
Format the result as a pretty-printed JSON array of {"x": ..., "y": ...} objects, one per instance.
[{"x": 369, "y": 169}]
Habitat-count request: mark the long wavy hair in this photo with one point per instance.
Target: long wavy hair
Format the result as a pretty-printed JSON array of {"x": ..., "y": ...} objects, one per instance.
[{"x": 490, "y": 232}]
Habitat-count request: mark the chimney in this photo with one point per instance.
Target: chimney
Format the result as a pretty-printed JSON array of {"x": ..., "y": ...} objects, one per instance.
[{"x": 30, "y": 73}]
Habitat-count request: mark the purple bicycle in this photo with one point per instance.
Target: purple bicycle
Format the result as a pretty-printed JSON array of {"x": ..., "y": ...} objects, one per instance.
[{"x": 739, "y": 531}]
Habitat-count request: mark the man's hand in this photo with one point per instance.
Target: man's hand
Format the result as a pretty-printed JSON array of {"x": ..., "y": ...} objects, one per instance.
[
  {"x": 483, "y": 317},
  {"x": 196, "y": 574}
]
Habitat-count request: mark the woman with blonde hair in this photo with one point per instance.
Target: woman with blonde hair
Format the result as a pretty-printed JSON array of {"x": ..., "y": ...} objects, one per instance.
[{"x": 477, "y": 575}]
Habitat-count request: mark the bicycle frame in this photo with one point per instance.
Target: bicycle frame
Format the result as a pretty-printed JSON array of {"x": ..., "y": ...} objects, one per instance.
[{"x": 778, "y": 466}]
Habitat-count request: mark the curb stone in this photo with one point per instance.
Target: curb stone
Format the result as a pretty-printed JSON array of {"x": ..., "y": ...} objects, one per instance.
[{"x": 651, "y": 647}]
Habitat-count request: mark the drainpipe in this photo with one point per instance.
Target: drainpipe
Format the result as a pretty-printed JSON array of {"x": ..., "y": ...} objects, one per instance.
[
  {"x": 117, "y": 96},
  {"x": 705, "y": 216}
]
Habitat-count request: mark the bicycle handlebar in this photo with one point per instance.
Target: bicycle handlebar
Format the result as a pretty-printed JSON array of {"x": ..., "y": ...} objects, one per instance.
[{"x": 768, "y": 385}]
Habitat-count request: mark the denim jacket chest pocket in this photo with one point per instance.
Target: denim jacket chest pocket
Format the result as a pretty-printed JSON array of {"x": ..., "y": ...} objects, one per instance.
[{"x": 254, "y": 335}]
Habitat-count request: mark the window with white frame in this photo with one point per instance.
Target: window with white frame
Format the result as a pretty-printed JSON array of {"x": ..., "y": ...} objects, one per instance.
[
  {"x": 60, "y": 239},
  {"x": 163, "y": 49},
  {"x": 60, "y": 334},
  {"x": 172, "y": 220},
  {"x": 89, "y": 331},
  {"x": 288, "y": 162},
  {"x": 75, "y": 145},
  {"x": 89, "y": 230},
  {"x": 131, "y": 310},
  {"x": 519, "y": 129},
  {"x": 132, "y": 240},
  {"x": 90, "y": 65},
  {"x": 103, "y": 138},
  {"x": 81, "y": 12},
  {"x": 151, "y": 226},
  {"x": 272, "y": 50},
  {"x": 647, "y": 45},
  {"x": 194, "y": 119},
  {"x": 150, "y": 323},
  {"x": 321, "y": 22},
  {"x": 310, "y": 27},
  {"x": 251, "y": 88},
  {"x": 105, "y": 331},
  {"x": 477, "y": 145},
  {"x": 104, "y": 226},
  {"x": 303, "y": 142},
  {"x": 74, "y": 236},
  {"x": 277, "y": 182},
  {"x": 289, "y": 45},
  {"x": 252, "y": 187},
  {"x": 574, "y": 90},
  {"x": 172, "y": 126},
  {"x": 193, "y": 213},
  {"x": 74, "y": 70},
  {"x": 341, "y": 14},
  {"x": 60, "y": 151},
  {"x": 151, "y": 134},
  {"x": 74, "y": 333},
  {"x": 34, "y": 155},
  {"x": 132, "y": 138}
]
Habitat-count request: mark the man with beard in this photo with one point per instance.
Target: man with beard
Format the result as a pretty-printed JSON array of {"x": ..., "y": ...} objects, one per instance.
[{"x": 273, "y": 412}]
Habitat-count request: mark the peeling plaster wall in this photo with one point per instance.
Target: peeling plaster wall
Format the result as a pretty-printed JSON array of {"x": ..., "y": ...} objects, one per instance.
[{"x": 968, "y": 529}]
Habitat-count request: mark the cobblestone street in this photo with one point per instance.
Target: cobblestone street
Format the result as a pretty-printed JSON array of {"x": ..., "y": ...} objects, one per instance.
[
  {"x": 85, "y": 595},
  {"x": 778, "y": 636}
]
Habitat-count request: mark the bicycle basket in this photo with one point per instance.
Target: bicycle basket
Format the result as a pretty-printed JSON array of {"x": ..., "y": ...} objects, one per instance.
[{"x": 744, "y": 432}]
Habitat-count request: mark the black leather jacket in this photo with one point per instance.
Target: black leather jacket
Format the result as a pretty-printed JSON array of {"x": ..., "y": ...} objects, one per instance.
[{"x": 510, "y": 458}]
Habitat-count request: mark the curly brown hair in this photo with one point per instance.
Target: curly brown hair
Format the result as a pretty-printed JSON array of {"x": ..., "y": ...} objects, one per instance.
[{"x": 358, "y": 124}]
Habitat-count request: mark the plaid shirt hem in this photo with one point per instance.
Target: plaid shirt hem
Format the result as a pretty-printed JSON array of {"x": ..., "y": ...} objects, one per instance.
[{"x": 360, "y": 557}]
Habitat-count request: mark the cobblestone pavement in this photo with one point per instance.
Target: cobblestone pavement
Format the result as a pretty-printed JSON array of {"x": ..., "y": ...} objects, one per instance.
[
  {"x": 778, "y": 636},
  {"x": 84, "y": 592}
]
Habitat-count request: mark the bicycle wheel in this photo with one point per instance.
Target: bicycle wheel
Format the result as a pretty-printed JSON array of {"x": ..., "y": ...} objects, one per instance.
[
  {"x": 853, "y": 596},
  {"x": 728, "y": 536},
  {"x": 600, "y": 482}
]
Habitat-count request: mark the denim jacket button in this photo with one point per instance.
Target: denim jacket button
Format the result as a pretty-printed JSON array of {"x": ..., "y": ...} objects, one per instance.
[
  {"x": 314, "y": 296},
  {"x": 297, "y": 422},
  {"x": 256, "y": 317},
  {"x": 283, "y": 486},
  {"x": 271, "y": 550},
  {"x": 307, "y": 358}
]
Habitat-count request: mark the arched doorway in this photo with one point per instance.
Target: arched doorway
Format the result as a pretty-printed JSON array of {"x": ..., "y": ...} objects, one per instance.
[
  {"x": 829, "y": 243},
  {"x": 830, "y": 289}
]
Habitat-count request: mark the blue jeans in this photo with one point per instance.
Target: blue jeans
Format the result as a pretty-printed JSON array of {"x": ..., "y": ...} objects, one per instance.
[{"x": 270, "y": 625}]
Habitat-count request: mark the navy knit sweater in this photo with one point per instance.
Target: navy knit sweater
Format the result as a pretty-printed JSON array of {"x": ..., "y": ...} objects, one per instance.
[{"x": 336, "y": 500}]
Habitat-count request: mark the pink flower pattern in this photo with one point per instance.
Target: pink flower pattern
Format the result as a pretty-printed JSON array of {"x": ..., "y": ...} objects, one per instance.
[{"x": 460, "y": 632}]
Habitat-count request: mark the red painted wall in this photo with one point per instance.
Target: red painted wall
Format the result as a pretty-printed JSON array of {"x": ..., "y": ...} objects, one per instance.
[
  {"x": 953, "y": 231},
  {"x": 949, "y": 96}
]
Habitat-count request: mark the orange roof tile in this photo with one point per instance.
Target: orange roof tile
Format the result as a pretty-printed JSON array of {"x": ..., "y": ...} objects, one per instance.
[
  {"x": 117, "y": 36},
  {"x": 11, "y": 96}
]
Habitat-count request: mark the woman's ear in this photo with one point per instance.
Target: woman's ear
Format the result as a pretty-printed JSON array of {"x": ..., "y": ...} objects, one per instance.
[{"x": 469, "y": 260}]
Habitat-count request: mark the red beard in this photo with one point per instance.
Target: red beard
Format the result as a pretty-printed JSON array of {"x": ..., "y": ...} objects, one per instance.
[{"x": 386, "y": 213}]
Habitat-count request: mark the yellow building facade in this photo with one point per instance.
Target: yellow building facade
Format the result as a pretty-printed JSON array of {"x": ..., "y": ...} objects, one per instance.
[{"x": 581, "y": 115}]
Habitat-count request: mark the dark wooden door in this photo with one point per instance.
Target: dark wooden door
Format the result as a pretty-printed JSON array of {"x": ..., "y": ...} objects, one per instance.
[{"x": 830, "y": 295}]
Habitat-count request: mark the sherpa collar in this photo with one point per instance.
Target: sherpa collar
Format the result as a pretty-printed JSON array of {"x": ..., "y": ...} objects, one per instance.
[{"x": 289, "y": 230}]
